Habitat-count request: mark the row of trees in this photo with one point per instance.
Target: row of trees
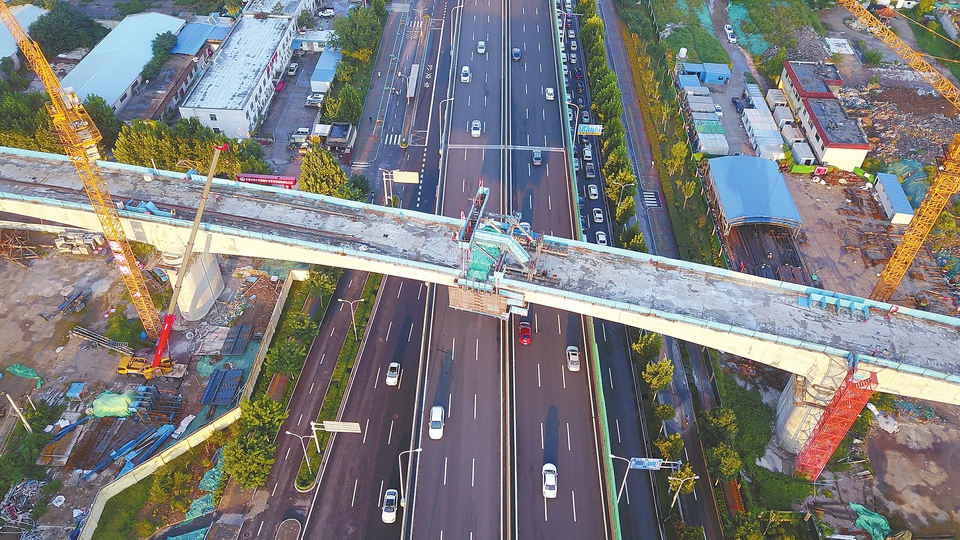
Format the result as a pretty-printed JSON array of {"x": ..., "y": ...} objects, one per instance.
[
  {"x": 249, "y": 455},
  {"x": 607, "y": 107}
]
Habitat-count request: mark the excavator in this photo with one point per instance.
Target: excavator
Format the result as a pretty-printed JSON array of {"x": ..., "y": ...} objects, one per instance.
[{"x": 161, "y": 365}]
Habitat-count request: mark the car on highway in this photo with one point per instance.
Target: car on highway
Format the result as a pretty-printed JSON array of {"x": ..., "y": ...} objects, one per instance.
[
  {"x": 580, "y": 102},
  {"x": 573, "y": 46},
  {"x": 719, "y": 111},
  {"x": 465, "y": 74},
  {"x": 592, "y": 191},
  {"x": 436, "y": 422},
  {"x": 537, "y": 157},
  {"x": 573, "y": 353},
  {"x": 578, "y": 73},
  {"x": 576, "y": 164},
  {"x": 525, "y": 333},
  {"x": 580, "y": 87},
  {"x": 597, "y": 215},
  {"x": 585, "y": 117},
  {"x": 731, "y": 37},
  {"x": 570, "y": 34},
  {"x": 481, "y": 47},
  {"x": 587, "y": 152},
  {"x": 550, "y": 94},
  {"x": 602, "y": 240},
  {"x": 563, "y": 57},
  {"x": 389, "y": 514},
  {"x": 393, "y": 374},
  {"x": 292, "y": 70},
  {"x": 583, "y": 224},
  {"x": 326, "y": 12},
  {"x": 515, "y": 54},
  {"x": 565, "y": 72},
  {"x": 570, "y": 22},
  {"x": 475, "y": 128},
  {"x": 570, "y": 114},
  {"x": 590, "y": 170},
  {"x": 549, "y": 481},
  {"x": 573, "y": 58}
]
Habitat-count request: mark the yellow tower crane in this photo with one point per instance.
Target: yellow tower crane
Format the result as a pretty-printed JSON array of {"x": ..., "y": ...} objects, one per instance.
[
  {"x": 79, "y": 137},
  {"x": 945, "y": 182}
]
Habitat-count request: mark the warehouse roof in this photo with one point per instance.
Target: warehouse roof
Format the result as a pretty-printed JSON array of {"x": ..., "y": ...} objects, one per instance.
[
  {"x": 116, "y": 62},
  {"x": 752, "y": 190},
  {"x": 26, "y": 15}
]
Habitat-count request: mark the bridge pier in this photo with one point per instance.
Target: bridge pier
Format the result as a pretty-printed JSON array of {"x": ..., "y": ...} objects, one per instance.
[{"x": 202, "y": 284}]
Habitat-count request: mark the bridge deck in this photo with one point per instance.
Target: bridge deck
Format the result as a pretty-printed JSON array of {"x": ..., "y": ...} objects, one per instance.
[{"x": 638, "y": 283}]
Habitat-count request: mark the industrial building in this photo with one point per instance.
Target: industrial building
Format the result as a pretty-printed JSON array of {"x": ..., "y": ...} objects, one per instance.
[
  {"x": 749, "y": 190},
  {"x": 25, "y": 15},
  {"x": 233, "y": 95},
  {"x": 112, "y": 70},
  {"x": 835, "y": 138},
  {"x": 325, "y": 72}
]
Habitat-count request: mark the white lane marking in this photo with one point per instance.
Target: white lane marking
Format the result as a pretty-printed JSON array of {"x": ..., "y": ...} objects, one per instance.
[
  {"x": 380, "y": 496},
  {"x": 531, "y": 201},
  {"x": 474, "y": 406},
  {"x": 300, "y": 419},
  {"x": 618, "y": 431},
  {"x": 610, "y": 372},
  {"x": 626, "y": 491},
  {"x": 545, "y": 509},
  {"x": 549, "y": 200},
  {"x": 260, "y": 528},
  {"x": 311, "y": 388},
  {"x": 332, "y": 330},
  {"x": 322, "y": 356},
  {"x": 274, "y": 492},
  {"x": 538, "y": 377},
  {"x": 449, "y": 404},
  {"x": 444, "y": 471},
  {"x": 603, "y": 329},
  {"x": 390, "y": 433},
  {"x": 476, "y": 353},
  {"x": 410, "y": 334},
  {"x": 541, "y": 435},
  {"x": 559, "y": 325},
  {"x": 348, "y": 286},
  {"x": 400, "y": 379},
  {"x": 536, "y": 323},
  {"x": 399, "y": 289},
  {"x": 453, "y": 348},
  {"x": 377, "y": 380},
  {"x": 473, "y": 470},
  {"x": 573, "y": 497},
  {"x": 563, "y": 376},
  {"x": 287, "y": 456},
  {"x": 420, "y": 291},
  {"x": 389, "y": 328},
  {"x": 354, "y": 498},
  {"x": 366, "y": 428},
  {"x": 568, "y": 437}
]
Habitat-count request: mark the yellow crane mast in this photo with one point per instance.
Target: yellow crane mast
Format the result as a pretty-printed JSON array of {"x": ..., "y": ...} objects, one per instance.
[
  {"x": 945, "y": 182},
  {"x": 79, "y": 137}
]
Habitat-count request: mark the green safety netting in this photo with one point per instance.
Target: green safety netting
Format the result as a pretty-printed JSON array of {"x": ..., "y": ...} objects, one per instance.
[
  {"x": 112, "y": 404},
  {"x": 198, "y": 534},
  {"x": 870, "y": 521},
  {"x": 200, "y": 507},
  {"x": 912, "y": 177},
  {"x": 212, "y": 477},
  {"x": 752, "y": 42},
  {"x": 26, "y": 373}
]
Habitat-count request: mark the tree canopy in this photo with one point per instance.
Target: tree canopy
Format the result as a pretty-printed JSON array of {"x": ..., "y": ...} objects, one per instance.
[
  {"x": 358, "y": 34},
  {"x": 105, "y": 119},
  {"x": 320, "y": 173},
  {"x": 286, "y": 357},
  {"x": 659, "y": 374},
  {"x": 64, "y": 29},
  {"x": 670, "y": 447}
]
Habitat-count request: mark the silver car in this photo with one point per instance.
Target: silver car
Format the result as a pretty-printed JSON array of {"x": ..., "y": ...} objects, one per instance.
[
  {"x": 393, "y": 374},
  {"x": 436, "y": 422},
  {"x": 573, "y": 353},
  {"x": 389, "y": 514},
  {"x": 549, "y": 481}
]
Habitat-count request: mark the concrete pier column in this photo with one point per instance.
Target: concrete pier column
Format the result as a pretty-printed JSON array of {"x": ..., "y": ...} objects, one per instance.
[
  {"x": 201, "y": 286},
  {"x": 802, "y": 404}
]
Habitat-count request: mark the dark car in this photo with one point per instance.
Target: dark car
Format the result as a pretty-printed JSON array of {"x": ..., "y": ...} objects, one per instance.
[
  {"x": 737, "y": 104},
  {"x": 580, "y": 87},
  {"x": 516, "y": 54},
  {"x": 578, "y": 73},
  {"x": 570, "y": 22},
  {"x": 580, "y": 102},
  {"x": 525, "y": 333}
]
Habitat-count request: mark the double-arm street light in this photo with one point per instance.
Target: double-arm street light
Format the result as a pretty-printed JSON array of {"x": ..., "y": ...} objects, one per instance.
[
  {"x": 304, "y": 445},
  {"x": 403, "y": 498},
  {"x": 620, "y": 198},
  {"x": 680, "y": 486},
  {"x": 353, "y": 314}
]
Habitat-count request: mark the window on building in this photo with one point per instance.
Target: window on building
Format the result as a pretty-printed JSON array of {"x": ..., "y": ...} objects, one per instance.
[
  {"x": 216, "y": 130},
  {"x": 817, "y": 136},
  {"x": 123, "y": 97},
  {"x": 213, "y": 118}
]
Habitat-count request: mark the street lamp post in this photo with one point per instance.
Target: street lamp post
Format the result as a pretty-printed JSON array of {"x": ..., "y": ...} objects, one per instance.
[
  {"x": 304, "y": 446},
  {"x": 620, "y": 197},
  {"x": 353, "y": 314},
  {"x": 624, "y": 483},
  {"x": 680, "y": 486},
  {"x": 403, "y": 498}
]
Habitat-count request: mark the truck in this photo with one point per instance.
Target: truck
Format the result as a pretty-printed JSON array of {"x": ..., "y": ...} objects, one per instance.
[
  {"x": 135, "y": 365},
  {"x": 300, "y": 136}
]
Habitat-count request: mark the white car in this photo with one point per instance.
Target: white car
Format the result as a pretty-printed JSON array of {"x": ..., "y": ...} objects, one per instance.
[
  {"x": 573, "y": 353},
  {"x": 475, "y": 128},
  {"x": 563, "y": 57},
  {"x": 570, "y": 115},
  {"x": 549, "y": 481},
  {"x": 593, "y": 192},
  {"x": 597, "y": 215},
  {"x": 481, "y": 47},
  {"x": 602, "y": 240},
  {"x": 570, "y": 33},
  {"x": 573, "y": 58},
  {"x": 731, "y": 37},
  {"x": 326, "y": 12},
  {"x": 587, "y": 153},
  {"x": 393, "y": 374},
  {"x": 719, "y": 110},
  {"x": 573, "y": 46},
  {"x": 465, "y": 74},
  {"x": 436, "y": 422},
  {"x": 576, "y": 164},
  {"x": 550, "y": 94},
  {"x": 389, "y": 514},
  {"x": 292, "y": 70}
]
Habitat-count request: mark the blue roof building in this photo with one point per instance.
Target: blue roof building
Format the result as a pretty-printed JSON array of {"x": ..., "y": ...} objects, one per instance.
[
  {"x": 747, "y": 189},
  {"x": 25, "y": 15},
  {"x": 326, "y": 69},
  {"x": 715, "y": 73},
  {"x": 893, "y": 199},
  {"x": 688, "y": 81}
]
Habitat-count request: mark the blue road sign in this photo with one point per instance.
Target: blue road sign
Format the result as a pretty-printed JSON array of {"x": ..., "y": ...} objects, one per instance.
[{"x": 647, "y": 464}]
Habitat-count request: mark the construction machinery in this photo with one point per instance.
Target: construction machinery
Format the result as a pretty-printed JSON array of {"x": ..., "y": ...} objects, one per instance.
[
  {"x": 945, "y": 182},
  {"x": 79, "y": 137},
  {"x": 161, "y": 365}
]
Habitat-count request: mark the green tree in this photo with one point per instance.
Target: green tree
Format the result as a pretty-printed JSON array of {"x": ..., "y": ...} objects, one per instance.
[
  {"x": 233, "y": 7},
  {"x": 359, "y": 183},
  {"x": 248, "y": 459},
  {"x": 627, "y": 207},
  {"x": 65, "y": 28},
  {"x": 105, "y": 119},
  {"x": 263, "y": 415},
  {"x": 379, "y": 8},
  {"x": 300, "y": 326},
  {"x": 724, "y": 461},
  {"x": 691, "y": 533},
  {"x": 688, "y": 188},
  {"x": 670, "y": 447},
  {"x": 358, "y": 34},
  {"x": 746, "y": 527},
  {"x": 306, "y": 20},
  {"x": 924, "y": 6},
  {"x": 774, "y": 66},
  {"x": 664, "y": 411},
  {"x": 320, "y": 173},
  {"x": 681, "y": 478},
  {"x": 648, "y": 347},
  {"x": 286, "y": 357},
  {"x": 632, "y": 239},
  {"x": 679, "y": 152},
  {"x": 322, "y": 280},
  {"x": 659, "y": 374},
  {"x": 351, "y": 105}
]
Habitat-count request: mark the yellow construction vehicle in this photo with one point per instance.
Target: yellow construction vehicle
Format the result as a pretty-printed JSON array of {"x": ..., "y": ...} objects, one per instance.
[
  {"x": 945, "y": 182},
  {"x": 79, "y": 137}
]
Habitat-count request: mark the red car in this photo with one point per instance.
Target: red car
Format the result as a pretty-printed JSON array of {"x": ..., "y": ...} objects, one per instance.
[
  {"x": 280, "y": 86},
  {"x": 524, "y": 333}
]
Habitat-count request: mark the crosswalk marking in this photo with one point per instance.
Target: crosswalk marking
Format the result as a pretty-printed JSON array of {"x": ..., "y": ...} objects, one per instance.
[{"x": 651, "y": 199}]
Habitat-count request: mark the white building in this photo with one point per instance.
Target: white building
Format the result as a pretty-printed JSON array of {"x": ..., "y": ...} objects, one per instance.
[
  {"x": 25, "y": 15},
  {"x": 112, "y": 69},
  {"x": 232, "y": 96}
]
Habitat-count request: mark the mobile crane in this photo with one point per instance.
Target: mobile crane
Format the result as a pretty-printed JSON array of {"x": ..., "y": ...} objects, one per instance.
[
  {"x": 945, "y": 182},
  {"x": 79, "y": 137},
  {"x": 161, "y": 365}
]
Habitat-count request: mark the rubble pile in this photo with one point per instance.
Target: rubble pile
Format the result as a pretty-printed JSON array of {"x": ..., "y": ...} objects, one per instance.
[
  {"x": 79, "y": 242},
  {"x": 902, "y": 123},
  {"x": 809, "y": 46},
  {"x": 19, "y": 502}
]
